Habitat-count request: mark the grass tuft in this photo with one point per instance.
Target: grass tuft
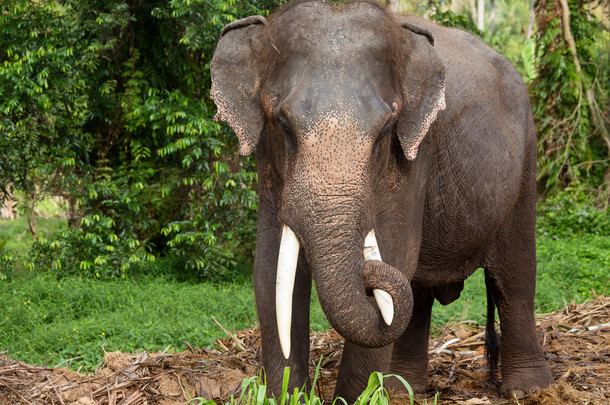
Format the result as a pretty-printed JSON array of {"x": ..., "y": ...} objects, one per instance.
[{"x": 254, "y": 392}]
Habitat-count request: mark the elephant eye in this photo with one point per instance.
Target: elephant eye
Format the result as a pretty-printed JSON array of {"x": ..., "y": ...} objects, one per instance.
[{"x": 290, "y": 139}]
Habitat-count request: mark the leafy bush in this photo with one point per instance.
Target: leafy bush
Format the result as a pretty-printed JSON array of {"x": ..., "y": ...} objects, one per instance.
[
  {"x": 96, "y": 253},
  {"x": 105, "y": 103},
  {"x": 572, "y": 212},
  {"x": 108, "y": 107},
  {"x": 449, "y": 18}
]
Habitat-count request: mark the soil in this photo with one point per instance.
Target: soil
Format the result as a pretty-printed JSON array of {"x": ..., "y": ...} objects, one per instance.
[{"x": 576, "y": 341}]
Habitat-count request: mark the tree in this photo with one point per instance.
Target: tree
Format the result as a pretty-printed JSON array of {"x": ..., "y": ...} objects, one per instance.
[
  {"x": 571, "y": 96},
  {"x": 44, "y": 64},
  {"x": 106, "y": 103}
]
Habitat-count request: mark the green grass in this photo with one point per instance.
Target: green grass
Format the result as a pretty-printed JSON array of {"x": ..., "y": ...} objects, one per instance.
[
  {"x": 18, "y": 239},
  {"x": 46, "y": 321},
  {"x": 568, "y": 268},
  {"x": 254, "y": 392}
]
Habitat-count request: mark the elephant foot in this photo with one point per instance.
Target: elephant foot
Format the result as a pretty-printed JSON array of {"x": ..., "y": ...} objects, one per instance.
[{"x": 523, "y": 382}]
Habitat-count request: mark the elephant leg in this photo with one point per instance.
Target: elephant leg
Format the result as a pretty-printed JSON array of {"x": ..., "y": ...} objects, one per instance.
[
  {"x": 265, "y": 264},
  {"x": 511, "y": 275},
  {"x": 357, "y": 364},
  {"x": 410, "y": 356}
]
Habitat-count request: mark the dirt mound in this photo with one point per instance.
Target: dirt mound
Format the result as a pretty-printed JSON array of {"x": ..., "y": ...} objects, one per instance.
[{"x": 576, "y": 341}]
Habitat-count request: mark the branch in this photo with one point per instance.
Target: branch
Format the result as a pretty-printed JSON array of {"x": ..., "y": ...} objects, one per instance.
[
  {"x": 567, "y": 34},
  {"x": 596, "y": 114}
]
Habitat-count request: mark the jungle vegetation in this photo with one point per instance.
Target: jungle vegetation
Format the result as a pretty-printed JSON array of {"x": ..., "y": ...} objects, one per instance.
[{"x": 111, "y": 161}]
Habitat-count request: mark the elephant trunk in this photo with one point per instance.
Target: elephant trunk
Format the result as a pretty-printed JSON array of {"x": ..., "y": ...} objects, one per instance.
[{"x": 348, "y": 272}]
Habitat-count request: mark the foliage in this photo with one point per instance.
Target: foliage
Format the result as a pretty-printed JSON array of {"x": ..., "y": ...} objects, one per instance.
[
  {"x": 15, "y": 233},
  {"x": 513, "y": 36},
  {"x": 95, "y": 251},
  {"x": 254, "y": 392},
  {"x": 571, "y": 96},
  {"x": 449, "y": 18},
  {"x": 44, "y": 97},
  {"x": 572, "y": 213},
  {"x": 106, "y": 104},
  {"x": 570, "y": 269}
]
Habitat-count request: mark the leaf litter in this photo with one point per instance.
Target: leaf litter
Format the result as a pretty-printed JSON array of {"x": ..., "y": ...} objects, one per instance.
[{"x": 576, "y": 342}]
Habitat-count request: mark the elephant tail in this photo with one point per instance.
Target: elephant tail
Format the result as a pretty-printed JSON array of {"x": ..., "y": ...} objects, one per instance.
[{"x": 492, "y": 342}]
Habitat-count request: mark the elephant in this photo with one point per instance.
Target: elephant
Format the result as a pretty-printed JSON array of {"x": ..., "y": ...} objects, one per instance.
[{"x": 395, "y": 157}]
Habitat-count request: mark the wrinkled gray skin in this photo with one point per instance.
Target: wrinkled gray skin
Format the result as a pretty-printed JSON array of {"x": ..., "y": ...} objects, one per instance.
[{"x": 340, "y": 104}]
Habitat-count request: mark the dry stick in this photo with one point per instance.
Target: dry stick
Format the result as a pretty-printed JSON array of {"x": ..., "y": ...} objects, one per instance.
[
  {"x": 119, "y": 386},
  {"x": 440, "y": 340},
  {"x": 132, "y": 398},
  {"x": 146, "y": 386},
  {"x": 191, "y": 348},
  {"x": 68, "y": 360},
  {"x": 61, "y": 400},
  {"x": 231, "y": 336},
  {"x": 321, "y": 394},
  {"x": 180, "y": 384},
  {"x": 107, "y": 389},
  {"x": 18, "y": 394},
  {"x": 452, "y": 371},
  {"x": 44, "y": 385},
  {"x": 90, "y": 391}
]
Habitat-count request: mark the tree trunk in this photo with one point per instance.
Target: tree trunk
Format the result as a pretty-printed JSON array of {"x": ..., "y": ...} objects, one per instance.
[
  {"x": 492, "y": 16},
  {"x": 8, "y": 209},
  {"x": 392, "y": 5},
  {"x": 481, "y": 15},
  {"x": 530, "y": 26},
  {"x": 473, "y": 10},
  {"x": 30, "y": 203},
  {"x": 73, "y": 215}
]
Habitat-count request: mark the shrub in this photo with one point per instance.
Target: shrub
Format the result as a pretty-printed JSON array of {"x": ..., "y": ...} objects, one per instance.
[{"x": 572, "y": 212}]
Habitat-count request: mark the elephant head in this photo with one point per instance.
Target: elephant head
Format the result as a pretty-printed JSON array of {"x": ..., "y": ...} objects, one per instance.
[{"x": 333, "y": 91}]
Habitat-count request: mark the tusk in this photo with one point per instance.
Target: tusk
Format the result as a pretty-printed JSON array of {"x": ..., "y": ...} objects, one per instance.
[
  {"x": 371, "y": 249},
  {"x": 385, "y": 304},
  {"x": 383, "y": 299},
  {"x": 284, "y": 286}
]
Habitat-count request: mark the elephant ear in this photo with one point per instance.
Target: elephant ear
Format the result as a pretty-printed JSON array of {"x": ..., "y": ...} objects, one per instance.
[
  {"x": 235, "y": 79},
  {"x": 423, "y": 89}
]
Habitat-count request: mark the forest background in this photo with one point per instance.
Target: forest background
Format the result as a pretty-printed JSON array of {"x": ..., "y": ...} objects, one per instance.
[{"x": 129, "y": 217}]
